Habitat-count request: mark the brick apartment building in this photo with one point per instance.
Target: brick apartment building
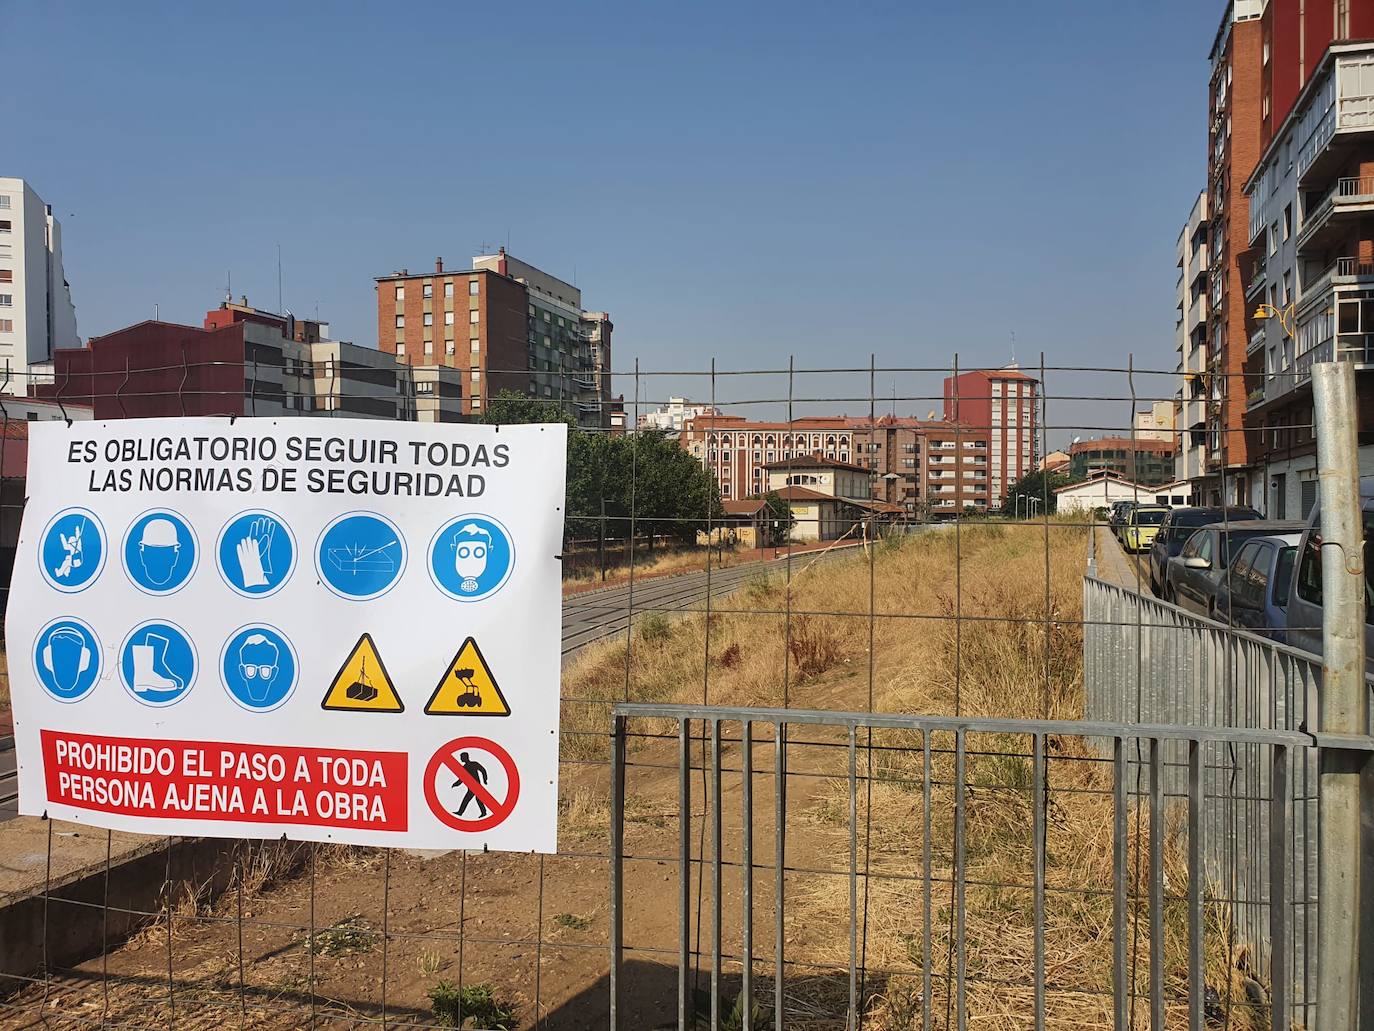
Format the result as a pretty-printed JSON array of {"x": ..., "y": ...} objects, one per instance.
[
  {"x": 245, "y": 362},
  {"x": 505, "y": 326},
  {"x": 999, "y": 404},
  {"x": 925, "y": 468},
  {"x": 1142, "y": 460},
  {"x": 1288, "y": 199}
]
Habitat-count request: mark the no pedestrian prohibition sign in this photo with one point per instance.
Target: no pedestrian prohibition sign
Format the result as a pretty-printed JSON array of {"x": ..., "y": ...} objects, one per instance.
[{"x": 349, "y": 630}]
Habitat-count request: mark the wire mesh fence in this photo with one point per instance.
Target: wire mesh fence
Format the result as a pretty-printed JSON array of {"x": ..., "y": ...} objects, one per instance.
[{"x": 1030, "y": 872}]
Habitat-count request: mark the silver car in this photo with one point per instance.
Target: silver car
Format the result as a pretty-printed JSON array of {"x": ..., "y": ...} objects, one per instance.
[
  {"x": 1193, "y": 575},
  {"x": 1305, "y": 601}
]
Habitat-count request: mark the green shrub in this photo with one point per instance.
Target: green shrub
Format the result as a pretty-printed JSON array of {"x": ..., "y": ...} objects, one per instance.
[
  {"x": 472, "y": 1006},
  {"x": 654, "y": 627}
]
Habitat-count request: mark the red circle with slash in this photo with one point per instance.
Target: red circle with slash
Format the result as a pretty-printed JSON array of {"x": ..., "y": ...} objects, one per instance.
[{"x": 446, "y": 758}]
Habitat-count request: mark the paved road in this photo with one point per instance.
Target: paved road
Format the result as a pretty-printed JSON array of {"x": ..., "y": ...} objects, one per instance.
[{"x": 587, "y": 617}]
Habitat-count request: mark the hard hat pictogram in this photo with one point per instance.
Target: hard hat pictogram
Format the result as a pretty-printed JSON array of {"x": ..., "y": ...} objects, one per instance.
[
  {"x": 362, "y": 683},
  {"x": 468, "y": 687}
]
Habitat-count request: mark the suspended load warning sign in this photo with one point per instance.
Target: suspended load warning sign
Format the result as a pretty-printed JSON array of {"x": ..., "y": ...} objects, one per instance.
[{"x": 271, "y": 628}]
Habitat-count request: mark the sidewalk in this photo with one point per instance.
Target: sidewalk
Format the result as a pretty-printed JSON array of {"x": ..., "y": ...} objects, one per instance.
[{"x": 1115, "y": 566}]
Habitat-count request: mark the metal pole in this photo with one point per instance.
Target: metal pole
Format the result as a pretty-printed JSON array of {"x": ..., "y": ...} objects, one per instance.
[{"x": 1344, "y": 699}]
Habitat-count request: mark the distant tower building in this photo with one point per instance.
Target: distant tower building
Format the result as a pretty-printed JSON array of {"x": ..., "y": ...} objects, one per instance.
[
  {"x": 36, "y": 312},
  {"x": 998, "y": 404}
]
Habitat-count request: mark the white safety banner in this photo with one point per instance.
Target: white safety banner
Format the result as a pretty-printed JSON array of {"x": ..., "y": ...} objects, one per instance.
[{"x": 333, "y": 630}]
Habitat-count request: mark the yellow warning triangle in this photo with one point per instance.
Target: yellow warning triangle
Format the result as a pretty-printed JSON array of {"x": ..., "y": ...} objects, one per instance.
[
  {"x": 467, "y": 687},
  {"x": 362, "y": 683}
]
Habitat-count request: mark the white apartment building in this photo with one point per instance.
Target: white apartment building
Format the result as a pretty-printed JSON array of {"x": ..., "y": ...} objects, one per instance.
[
  {"x": 1312, "y": 229},
  {"x": 36, "y": 311},
  {"x": 1190, "y": 335},
  {"x": 671, "y": 416}
]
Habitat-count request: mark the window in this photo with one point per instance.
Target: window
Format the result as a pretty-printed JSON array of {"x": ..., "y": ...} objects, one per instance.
[
  {"x": 4, "y": 225},
  {"x": 474, "y": 317},
  {"x": 6, "y": 325},
  {"x": 448, "y": 318},
  {"x": 476, "y": 375},
  {"x": 1274, "y": 238},
  {"x": 6, "y": 300},
  {"x": 1283, "y": 575},
  {"x": 4, "y": 201},
  {"x": 429, "y": 347},
  {"x": 448, "y": 347},
  {"x": 6, "y": 275},
  {"x": 448, "y": 288},
  {"x": 400, "y": 348},
  {"x": 476, "y": 346},
  {"x": 400, "y": 322},
  {"x": 400, "y": 293},
  {"x": 473, "y": 287},
  {"x": 429, "y": 318},
  {"x": 427, "y": 290},
  {"x": 546, "y": 316},
  {"x": 476, "y": 403},
  {"x": 1287, "y": 220}
]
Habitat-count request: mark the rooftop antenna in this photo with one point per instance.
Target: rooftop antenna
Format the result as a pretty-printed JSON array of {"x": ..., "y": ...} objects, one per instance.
[
  {"x": 279, "y": 303},
  {"x": 228, "y": 287},
  {"x": 1013, "y": 347},
  {"x": 894, "y": 399}
]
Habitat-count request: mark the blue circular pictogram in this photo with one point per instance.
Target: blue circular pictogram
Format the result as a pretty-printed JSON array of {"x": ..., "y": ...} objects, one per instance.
[
  {"x": 158, "y": 663},
  {"x": 66, "y": 659},
  {"x": 72, "y": 551},
  {"x": 259, "y": 667},
  {"x": 360, "y": 555},
  {"x": 471, "y": 557},
  {"x": 160, "y": 552},
  {"x": 256, "y": 553}
]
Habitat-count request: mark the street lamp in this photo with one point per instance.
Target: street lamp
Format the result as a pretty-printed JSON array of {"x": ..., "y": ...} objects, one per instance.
[{"x": 1286, "y": 315}]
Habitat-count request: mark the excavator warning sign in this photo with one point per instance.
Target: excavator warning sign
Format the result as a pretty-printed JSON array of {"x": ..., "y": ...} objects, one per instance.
[
  {"x": 362, "y": 683},
  {"x": 467, "y": 687}
]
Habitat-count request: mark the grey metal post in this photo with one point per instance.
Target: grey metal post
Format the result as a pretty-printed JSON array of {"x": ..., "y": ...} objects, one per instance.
[{"x": 1344, "y": 698}]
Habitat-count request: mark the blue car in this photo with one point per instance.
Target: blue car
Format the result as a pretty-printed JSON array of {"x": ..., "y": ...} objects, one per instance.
[{"x": 1254, "y": 593}]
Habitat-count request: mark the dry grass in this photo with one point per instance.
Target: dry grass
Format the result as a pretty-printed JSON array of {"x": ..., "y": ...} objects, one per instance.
[
  {"x": 1016, "y": 651},
  {"x": 660, "y": 563}
]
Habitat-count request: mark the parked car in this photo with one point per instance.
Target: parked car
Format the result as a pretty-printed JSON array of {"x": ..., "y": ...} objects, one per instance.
[
  {"x": 1138, "y": 532},
  {"x": 1304, "y": 628},
  {"x": 1253, "y": 595},
  {"x": 1119, "y": 511},
  {"x": 1192, "y": 576},
  {"x": 1178, "y": 527}
]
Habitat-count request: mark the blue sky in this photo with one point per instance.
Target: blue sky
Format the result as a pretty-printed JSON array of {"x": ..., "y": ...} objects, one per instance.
[{"x": 740, "y": 181}]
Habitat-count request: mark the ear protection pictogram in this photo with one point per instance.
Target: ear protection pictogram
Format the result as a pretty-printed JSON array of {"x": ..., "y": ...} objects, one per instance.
[{"x": 66, "y": 633}]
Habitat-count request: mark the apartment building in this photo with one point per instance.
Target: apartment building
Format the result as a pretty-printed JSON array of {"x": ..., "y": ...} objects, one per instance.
[
  {"x": 506, "y": 325},
  {"x": 670, "y": 417},
  {"x": 999, "y": 403},
  {"x": 1143, "y": 460},
  {"x": 917, "y": 467},
  {"x": 241, "y": 361},
  {"x": 1190, "y": 341},
  {"x": 1235, "y": 90},
  {"x": 1312, "y": 229},
  {"x": 36, "y": 312}
]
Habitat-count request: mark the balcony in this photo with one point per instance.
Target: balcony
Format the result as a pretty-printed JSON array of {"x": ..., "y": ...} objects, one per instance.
[
  {"x": 1257, "y": 280},
  {"x": 1343, "y": 104},
  {"x": 1254, "y": 398},
  {"x": 1257, "y": 338},
  {"x": 1352, "y": 271},
  {"x": 1351, "y": 197}
]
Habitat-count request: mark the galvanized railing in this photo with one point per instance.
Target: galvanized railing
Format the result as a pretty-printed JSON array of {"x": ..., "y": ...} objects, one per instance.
[
  {"x": 1147, "y": 661},
  {"x": 949, "y": 771}
]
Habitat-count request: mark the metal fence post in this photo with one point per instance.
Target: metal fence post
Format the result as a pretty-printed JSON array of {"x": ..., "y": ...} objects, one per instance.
[{"x": 1344, "y": 697}]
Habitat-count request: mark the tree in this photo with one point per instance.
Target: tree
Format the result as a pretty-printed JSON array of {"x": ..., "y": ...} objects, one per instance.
[
  {"x": 644, "y": 477},
  {"x": 1037, "y": 488}
]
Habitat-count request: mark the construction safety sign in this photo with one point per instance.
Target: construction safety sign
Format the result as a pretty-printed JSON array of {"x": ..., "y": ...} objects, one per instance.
[{"x": 291, "y": 627}]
